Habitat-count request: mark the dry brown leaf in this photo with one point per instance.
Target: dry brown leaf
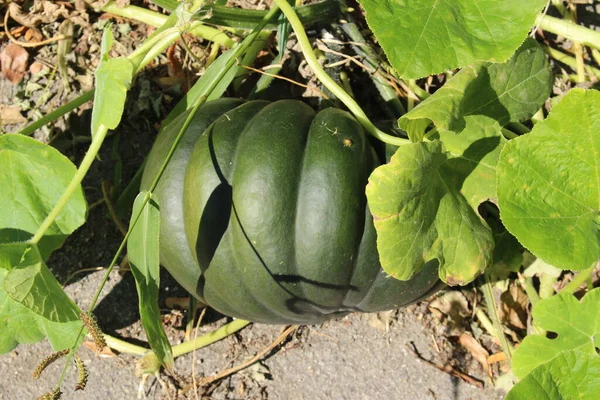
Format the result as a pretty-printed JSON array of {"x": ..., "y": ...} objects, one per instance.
[
  {"x": 455, "y": 307},
  {"x": 11, "y": 115},
  {"x": 514, "y": 306},
  {"x": 105, "y": 352},
  {"x": 496, "y": 358},
  {"x": 477, "y": 351},
  {"x": 14, "y": 62},
  {"x": 42, "y": 12}
]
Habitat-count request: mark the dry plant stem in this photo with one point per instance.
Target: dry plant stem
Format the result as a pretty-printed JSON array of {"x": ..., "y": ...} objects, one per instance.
[
  {"x": 484, "y": 320},
  {"x": 194, "y": 352},
  {"x": 285, "y": 79},
  {"x": 579, "y": 280},
  {"x": 569, "y": 30},
  {"x": 27, "y": 44},
  {"x": 111, "y": 208},
  {"x": 246, "y": 364},
  {"x": 486, "y": 288},
  {"x": 328, "y": 82}
]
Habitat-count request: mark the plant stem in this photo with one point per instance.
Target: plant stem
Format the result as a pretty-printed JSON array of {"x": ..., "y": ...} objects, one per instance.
[
  {"x": 328, "y": 82},
  {"x": 59, "y": 112},
  {"x": 486, "y": 288},
  {"x": 570, "y": 61},
  {"x": 155, "y": 19},
  {"x": 85, "y": 165},
  {"x": 209, "y": 338},
  {"x": 547, "y": 282},
  {"x": 569, "y": 30},
  {"x": 578, "y": 280},
  {"x": 532, "y": 294},
  {"x": 125, "y": 347},
  {"x": 484, "y": 320}
]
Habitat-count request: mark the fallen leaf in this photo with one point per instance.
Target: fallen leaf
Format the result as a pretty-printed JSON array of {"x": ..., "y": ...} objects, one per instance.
[
  {"x": 14, "y": 62},
  {"x": 477, "y": 351},
  {"x": 496, "y": 358},
  {"x": 11, "y": 115},
  {"x": 105, "y": 352},
  {"x": 514, "y": 306},
  {"x": 36, "y": 67},
  {"x": 455, "y": 306}
]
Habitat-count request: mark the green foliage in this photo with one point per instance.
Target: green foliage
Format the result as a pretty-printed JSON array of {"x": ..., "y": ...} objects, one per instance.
[
  {"x": 425, "y": 37},
  {"x": 577, "y": 324},
  {"x": 425, "y": 200},
  {"x": 33, "y": 177},
  {"x": 113, "y": 80},
  {"x": 32, "y": 303},
  {"x": 485, "y": 96},
  {"x": 143, "y": 253},
  {"x": 420, "y": 214},
  {"x": 570, "y": 375},
  {"x": 549, "y": 184}
]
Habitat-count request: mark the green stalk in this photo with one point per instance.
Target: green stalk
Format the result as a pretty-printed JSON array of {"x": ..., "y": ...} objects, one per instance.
[
  {"x": 322, "y": 12},
  {"x": 373, "y": 60},
  {"x": 155, "y": 19},
  {"x": 486, "y": 287},
  {"x": 569, "y": 61},
  {"x": 532, "y": 294},
  {"x": 59, "y": 112},
  {"x": 328, "y": 82},
  {"x": 84, "y": 167},
  {"x": 125, "y": 347},
  {"x": 149, "y": 363},
  {"x": 578, "y": 280},
  {"x": 569, "y": 30},
  {"x": 547, "y": 285}
]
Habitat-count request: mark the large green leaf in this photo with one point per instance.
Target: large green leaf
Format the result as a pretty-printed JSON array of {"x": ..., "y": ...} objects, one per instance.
[
  {"x": 483, "y": 93},
  {"x": 424, "y": 37},
  {"x": 420, "y": 214},
  {"x": 549, "y": 184},
  {"x": 576, "y": 323},
  {"x": 113, "y": 79},
  {"x": 33, "y": 176},
  {"x": 143, "y": 254},
  {"x": 30, "y": 283},
  {"x": 32, "y": 303},
  {"x": 570, "y": 375}
]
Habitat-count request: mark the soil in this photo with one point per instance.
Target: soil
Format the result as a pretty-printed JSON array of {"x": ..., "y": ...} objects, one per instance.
[{"x": 361, "y": 356}]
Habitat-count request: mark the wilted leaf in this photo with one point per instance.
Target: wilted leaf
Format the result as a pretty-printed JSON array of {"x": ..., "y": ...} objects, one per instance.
[
  {"x": 477, "y": 351},
  {"x": 514, "y": 306},
  {"x": 420, "y": 214},
  {"x": 14, "y": 62},
  {"x": 11, "y": 115},
  {"x": 549, "y": 184},
  {"x": 424, "y": 37}
]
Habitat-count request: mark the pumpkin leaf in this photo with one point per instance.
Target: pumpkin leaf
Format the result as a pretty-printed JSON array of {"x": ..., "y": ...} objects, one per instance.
[
  {"x": 485, "y": 94},
  {"x": 424, "y": 37},
  {"x": 549, "y": 184},
  {"x": 420, "y": 214},
  {"x": 570, "y": 375},
  {"x": 33, "y": 177},
  {"x": 577, "y": 324},
  {"x": 143, "y": 254},
  {"x": 113, "y": 79},
  {"x": 32, "y": 303}
]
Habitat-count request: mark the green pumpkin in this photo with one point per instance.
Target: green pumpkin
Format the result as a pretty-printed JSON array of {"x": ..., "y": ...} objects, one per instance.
[{"x": 264, "y": 215}]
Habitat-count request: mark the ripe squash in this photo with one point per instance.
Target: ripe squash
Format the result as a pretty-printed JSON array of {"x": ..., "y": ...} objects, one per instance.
[{"x": 264, "y": 214}]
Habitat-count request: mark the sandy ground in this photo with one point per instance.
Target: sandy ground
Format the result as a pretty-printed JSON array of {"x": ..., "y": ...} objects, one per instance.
[{"x": 349, "y": 358}]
